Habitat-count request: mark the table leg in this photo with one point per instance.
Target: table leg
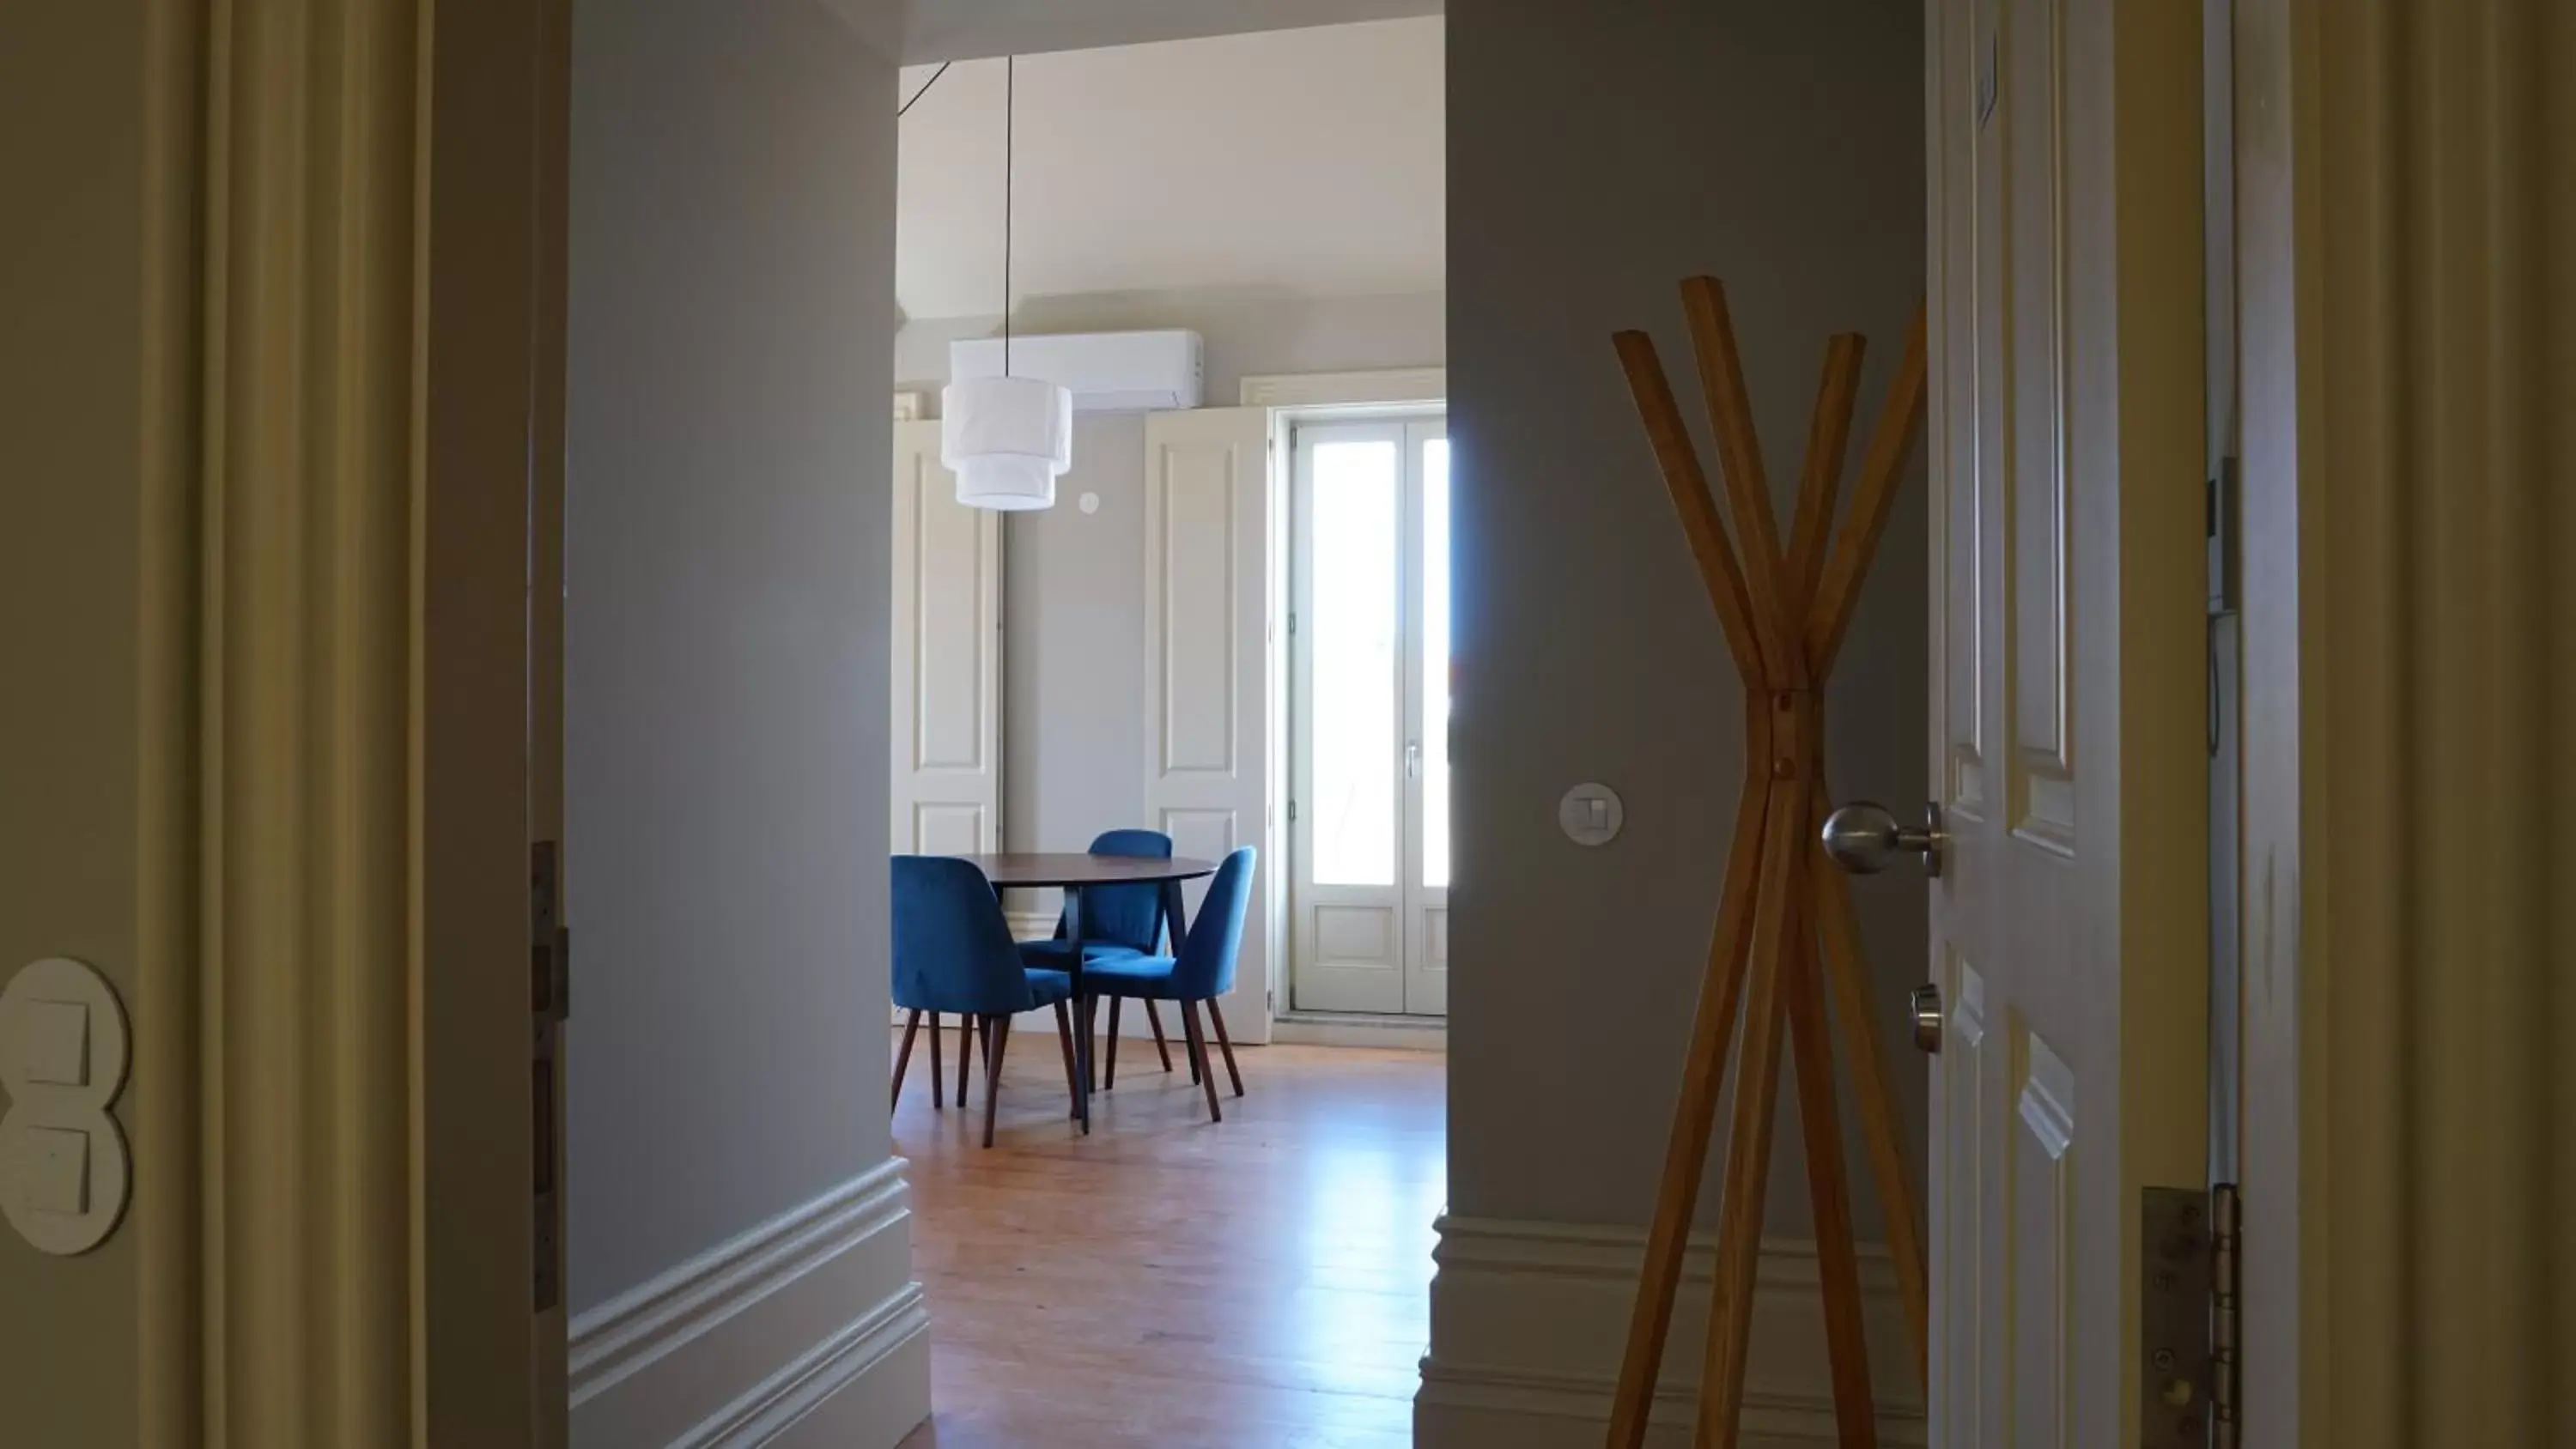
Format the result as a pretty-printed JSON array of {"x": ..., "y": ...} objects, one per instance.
[
  {"x": 1175, "y": 914},
  {"x": 1081, "y": 1001}
]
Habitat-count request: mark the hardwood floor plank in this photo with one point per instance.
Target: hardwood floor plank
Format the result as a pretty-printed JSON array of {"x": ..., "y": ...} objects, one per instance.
[{"x": 1173, "y": 1283}]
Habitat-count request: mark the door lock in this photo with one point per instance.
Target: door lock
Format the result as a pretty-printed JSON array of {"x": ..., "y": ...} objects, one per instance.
[{"x": 1926, "y": 1004}]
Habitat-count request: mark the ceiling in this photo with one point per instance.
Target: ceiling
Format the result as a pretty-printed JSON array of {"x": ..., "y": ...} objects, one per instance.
[
  {"x": 1292, "y": 162},
  {"x": 934, "y": 30},
  {"x": 961, "y": 29}
]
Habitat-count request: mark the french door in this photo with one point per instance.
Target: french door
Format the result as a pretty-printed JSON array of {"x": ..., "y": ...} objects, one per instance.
[{"x": 1369, "y": 787}]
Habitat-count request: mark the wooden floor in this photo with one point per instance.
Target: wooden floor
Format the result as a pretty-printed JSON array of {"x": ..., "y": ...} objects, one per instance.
[{"x": 1169, "y": 1282}]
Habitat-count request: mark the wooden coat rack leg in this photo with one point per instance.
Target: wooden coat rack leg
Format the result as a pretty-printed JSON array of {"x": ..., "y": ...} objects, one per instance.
[{"x": 1785, "y": 944}]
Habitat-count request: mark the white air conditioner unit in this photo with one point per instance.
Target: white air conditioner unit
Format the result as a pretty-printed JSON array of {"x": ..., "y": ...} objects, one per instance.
[{"x": 1106, "y": 372}]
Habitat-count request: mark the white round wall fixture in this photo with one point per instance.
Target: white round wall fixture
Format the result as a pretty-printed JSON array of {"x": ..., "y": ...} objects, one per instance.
[
  {"x": 1090, "y": 503},
  {"x": 64, "y": 1172},
  {"x": 1590, "y": 814}
]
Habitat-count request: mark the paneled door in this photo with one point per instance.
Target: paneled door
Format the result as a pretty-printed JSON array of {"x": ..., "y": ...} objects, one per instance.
[
  {"x": 946, "y": 656},
  {"x": 1369, "y": 715},
  {"x": 1209, "y": 689},
  {"x": 2069, "y": 928}
]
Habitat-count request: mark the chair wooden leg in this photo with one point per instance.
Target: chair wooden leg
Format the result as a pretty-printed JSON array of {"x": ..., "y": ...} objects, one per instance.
[
  {"x": 1216, "y": 1017},
  {"x": 1204, "y": 1073},
  {"x": 1109, "y": 1068},
  {"x": 1155, "y": 1018},
  {"x": 997, "y": 1040},
  {"x": 965, "y": 1054},
  {"x": 1064, "y": 1039},
  {"x": 903, "y": 1055},
  {"x": 1189, "y": 1059},
  {"x": 1091, "y": 1038},
  {"x": 938, "y": 1074}
]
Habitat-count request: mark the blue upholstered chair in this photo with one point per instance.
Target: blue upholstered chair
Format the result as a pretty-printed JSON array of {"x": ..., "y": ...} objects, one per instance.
[
  {"x": 1119, "y": 920},
  {"x": 954, "y": 952},
  {"x": 1202, "y": 972}
]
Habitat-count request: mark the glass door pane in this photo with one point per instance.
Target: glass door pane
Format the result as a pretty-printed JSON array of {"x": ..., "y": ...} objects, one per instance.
[
  {"x": 1435, "y": 662},
  {"x": 1357, "y": 612}
]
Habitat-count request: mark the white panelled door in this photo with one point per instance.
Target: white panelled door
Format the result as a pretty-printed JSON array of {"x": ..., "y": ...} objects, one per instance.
[
  {"x": 1208, "y": 667},
  {"x": 2067, "y": 597},
  {"x": 1369, "y": 833},
  {"x": 946, "y": 658}
]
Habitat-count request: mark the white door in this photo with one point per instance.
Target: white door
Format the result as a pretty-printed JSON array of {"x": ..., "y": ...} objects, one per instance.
[
  {"x": 1369, "y": 820},
  {"x": 2068, "y": 706},
  {"x": 1208, "y": 663},
  {"x": 946, "y": 658}
]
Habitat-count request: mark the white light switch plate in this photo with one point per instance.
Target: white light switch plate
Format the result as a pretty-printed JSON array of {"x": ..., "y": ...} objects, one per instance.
[
  {"x": 1590, "y": 814},
  {"x": 49, "y": 1170},
  {"x": 53, "y": 1045},
  {"x": 64, "y": 1169}
]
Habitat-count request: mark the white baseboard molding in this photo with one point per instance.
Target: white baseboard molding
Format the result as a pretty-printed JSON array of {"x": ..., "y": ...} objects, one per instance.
[
  {"x": 1397, "y": 1033},
  {"x": 1528, "y": 1320},
  {"x": 811, "y": 1318}
]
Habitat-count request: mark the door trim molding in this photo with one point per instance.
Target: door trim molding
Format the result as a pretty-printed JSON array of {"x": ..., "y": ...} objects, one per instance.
[
  {"x": 1394, "y": 386},
  {"x": 2404, "y": 234},
  {"x": 1361, "y": 1029},
  {"x": 333, "y": 1007},
  {"x": 1527, "y": 1319}
]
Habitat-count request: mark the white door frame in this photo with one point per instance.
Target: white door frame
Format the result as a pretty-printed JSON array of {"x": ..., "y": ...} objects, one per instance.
[
  {"x": 2401, "y": 644},
  {"x": 337, "y": 717}
]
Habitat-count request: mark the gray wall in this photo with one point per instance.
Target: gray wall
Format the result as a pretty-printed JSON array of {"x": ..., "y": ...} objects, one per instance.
[
  {"x": 1780, "y": 148},
  {"x": 732, "y": 245},
  {"x": 1073, "y": 651},
  {"x": 1073, "y": 586},
  {"x": 75, "y": 733}
]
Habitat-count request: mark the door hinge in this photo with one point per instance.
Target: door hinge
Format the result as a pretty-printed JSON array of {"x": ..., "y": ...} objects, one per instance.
[
  {"x": 1292, "y": 812},
  {"x": 2226, "y": 1284},
  {"x": 549, "y": 999},
  {"x": 2223, "y": 531},
  {"x": 549, "y": 940},
  {"x": 2177, "y": 1319},
  {"x": 1292, "y": 623}
]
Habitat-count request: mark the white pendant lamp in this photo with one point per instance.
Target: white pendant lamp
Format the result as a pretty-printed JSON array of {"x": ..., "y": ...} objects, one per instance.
[{"x": 1006, "y": 438}]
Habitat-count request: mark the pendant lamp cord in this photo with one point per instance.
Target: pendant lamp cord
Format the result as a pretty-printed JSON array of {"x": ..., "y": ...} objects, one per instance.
[{"x": 1010, "y": 100}]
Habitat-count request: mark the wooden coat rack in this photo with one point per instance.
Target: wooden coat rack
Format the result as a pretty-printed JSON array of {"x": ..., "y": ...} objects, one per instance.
[{"x": 1785, "y": 936}]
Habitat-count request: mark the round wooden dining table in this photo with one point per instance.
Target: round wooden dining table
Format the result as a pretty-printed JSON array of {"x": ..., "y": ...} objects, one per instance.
[{"x": 1071, "y": 872}]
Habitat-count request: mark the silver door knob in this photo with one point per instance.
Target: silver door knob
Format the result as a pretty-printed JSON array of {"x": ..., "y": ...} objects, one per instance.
[
  {"x": 1864, "y": 838},
  {"x": 1927, "y": 1019}
]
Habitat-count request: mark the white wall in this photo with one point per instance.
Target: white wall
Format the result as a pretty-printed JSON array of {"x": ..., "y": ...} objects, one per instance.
[
  {"x": 732, "y": 250},
  {"x": 1073, "y": 660},
  {"x": 1248, "y": 331},
  {"x": 1073, "y": 589},
  {"x": 1184, "y": 164}
]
